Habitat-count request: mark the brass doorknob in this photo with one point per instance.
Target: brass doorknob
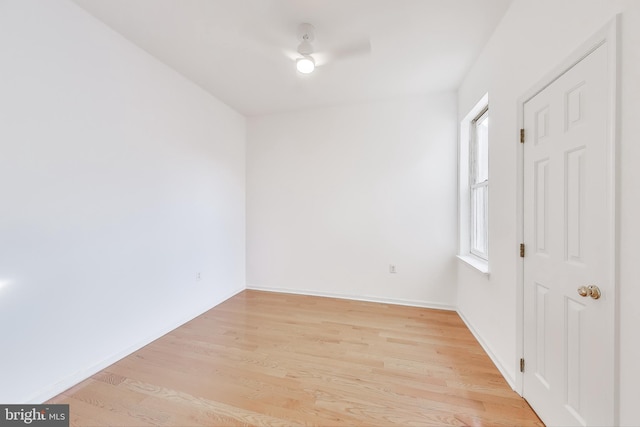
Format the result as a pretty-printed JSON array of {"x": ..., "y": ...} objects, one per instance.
[{"x": 590, "y": 291}]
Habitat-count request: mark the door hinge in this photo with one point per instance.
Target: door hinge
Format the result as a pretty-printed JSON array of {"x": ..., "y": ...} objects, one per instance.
[
  {"x": 522, "y": 136},
  {"x": 521, "y": 250},
  {"x": 521, "y": 365}
]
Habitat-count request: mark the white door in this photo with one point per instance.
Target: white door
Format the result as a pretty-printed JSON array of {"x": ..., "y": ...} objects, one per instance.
[{"x": 568, "y": 230}]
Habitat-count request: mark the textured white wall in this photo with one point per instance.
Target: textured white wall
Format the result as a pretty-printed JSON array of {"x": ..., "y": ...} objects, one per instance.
[
  {"x": 532, "y": 39},
  {"x": 119, "y": 181},
  {"x": 335, "y": 195}
]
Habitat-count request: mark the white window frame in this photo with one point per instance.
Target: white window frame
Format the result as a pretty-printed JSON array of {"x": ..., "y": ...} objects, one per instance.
[
  {"x": 475, "y": 187},
  {"x": 466, "y": 169}
]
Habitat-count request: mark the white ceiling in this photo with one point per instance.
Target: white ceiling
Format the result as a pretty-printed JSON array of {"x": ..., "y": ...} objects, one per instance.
[{"x": 235, "y": 49}]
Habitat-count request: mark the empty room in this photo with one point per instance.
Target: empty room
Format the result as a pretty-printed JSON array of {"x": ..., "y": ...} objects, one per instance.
[{"x": 327, "y": 213}]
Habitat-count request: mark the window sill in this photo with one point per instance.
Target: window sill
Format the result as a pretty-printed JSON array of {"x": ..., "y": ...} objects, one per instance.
[{"x": 479, "y": 264}]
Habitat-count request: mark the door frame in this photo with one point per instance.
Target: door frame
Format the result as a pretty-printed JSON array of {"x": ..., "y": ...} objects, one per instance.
[{"x": 609, "y": 35}]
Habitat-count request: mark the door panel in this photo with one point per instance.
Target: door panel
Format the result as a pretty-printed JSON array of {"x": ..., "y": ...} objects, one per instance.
[{"x": 568, "y": 208}]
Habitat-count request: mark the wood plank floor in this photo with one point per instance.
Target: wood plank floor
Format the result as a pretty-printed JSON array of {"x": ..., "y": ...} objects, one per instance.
[{"x": 268, "y": 359}]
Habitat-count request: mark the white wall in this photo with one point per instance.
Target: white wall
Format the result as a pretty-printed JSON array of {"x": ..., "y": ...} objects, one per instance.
[
  {"x": 532, "y": 39},
  {"x": 119, "y": 180},
  {"x": 335, "y": 195}
]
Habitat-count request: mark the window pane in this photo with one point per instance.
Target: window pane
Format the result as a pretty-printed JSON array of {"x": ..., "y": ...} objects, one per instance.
[
  {"x": 479, "y": 227},
  {"x": 482, "y": 149}
]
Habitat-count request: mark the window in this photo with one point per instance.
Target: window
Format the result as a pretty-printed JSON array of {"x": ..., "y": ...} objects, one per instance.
[
  {"x": 474, "y": 187},
  {"x": 479, "y": 184}
]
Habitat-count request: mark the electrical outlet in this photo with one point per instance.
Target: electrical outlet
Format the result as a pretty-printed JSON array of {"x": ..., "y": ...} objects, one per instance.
[
  {"x": 198, "y": 276},
  {"x": 392, "y": 268}
]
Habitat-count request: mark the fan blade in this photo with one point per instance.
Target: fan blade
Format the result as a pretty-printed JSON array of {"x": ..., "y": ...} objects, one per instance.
[
  {"x": 352, "y": 50},
  {"x": 254, "y": 41},
  {"x": 291, "y": 54}
]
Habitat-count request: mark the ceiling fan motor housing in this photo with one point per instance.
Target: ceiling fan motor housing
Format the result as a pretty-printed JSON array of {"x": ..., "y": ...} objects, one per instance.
[{"x": 306, "y": 35}]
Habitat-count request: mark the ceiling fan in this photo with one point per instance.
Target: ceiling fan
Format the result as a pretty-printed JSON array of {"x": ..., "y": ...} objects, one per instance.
[
  {"x": 307, "y": 60},
  {"x": 305, "y": 64},
  {"x": 266, "y": 42}
]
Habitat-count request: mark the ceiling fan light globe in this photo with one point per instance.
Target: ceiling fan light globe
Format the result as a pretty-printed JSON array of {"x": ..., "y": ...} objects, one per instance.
[{"x": 305, "y": 65}]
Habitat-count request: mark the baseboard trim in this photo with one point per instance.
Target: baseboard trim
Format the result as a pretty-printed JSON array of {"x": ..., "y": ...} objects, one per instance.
[
  {"x": 83, "y": 374},
  {"x": 394, "y": 301},
  {"x": 487, "y": 348}
]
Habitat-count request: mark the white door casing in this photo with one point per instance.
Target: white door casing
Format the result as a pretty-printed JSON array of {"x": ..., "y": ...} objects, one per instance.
[{"x": 568, "y": 214}]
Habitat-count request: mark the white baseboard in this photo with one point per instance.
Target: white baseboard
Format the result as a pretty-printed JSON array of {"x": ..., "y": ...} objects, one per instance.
[
  {"x": 394, "y": 301},
  {"x": 502, "y": 367},
  {"x": 83, "y": 374}
]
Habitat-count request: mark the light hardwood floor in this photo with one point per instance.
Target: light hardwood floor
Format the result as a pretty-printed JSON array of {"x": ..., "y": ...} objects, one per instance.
[{"x": 268, "y": 359}]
